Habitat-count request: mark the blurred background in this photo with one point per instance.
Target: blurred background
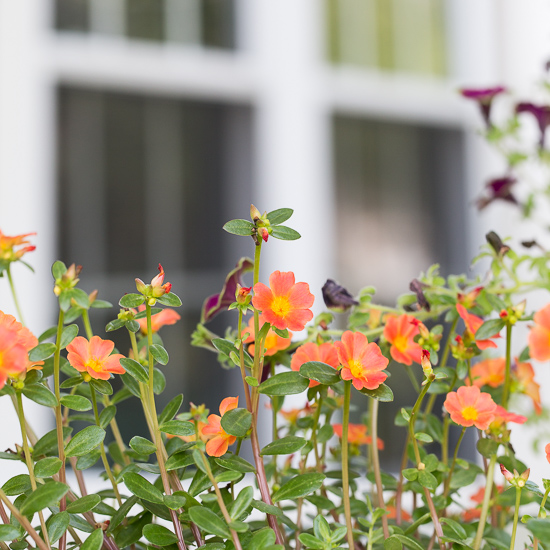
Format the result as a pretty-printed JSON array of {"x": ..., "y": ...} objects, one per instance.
[{"x": 131, "y": 130}]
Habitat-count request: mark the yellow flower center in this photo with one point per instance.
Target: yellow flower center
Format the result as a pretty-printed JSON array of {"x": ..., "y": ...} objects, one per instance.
[
  {"x": 95, "y": 364},
  {"x": 401, "y": 342},
  {"x": 281, "y": 306},
  {"x": 356, "y": 368},
  {"x": 469, "y": 413}
]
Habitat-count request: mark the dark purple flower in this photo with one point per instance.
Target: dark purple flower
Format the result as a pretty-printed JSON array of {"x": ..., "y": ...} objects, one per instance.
[
  {"x": 496, "y": 243},
  {"x": 542, "y": 115},
  {"x": 417, "y": 287},
  {"x": 498, "y": 188},
  {"x": 484, "y": 98},
  {"x": 336, "y": 297},
  {"x": 220, "y": 302}
]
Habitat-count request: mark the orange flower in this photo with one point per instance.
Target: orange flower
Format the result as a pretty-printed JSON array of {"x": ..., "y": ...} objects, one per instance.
[
  {"x": 286, "y": 304},
  {"x": 218, "y": 445},
  {"x": 324, "y": 353},
  {"x": 392, "y": 513},
  {"x": 93, "y": 358},
  {"x": 525, "y": 377},
  {"x": 292, "y": 415},
  {"x": 357, "y": 435},
  {"x": 468, "y": 406},
  {"x": 490, "y": 372},
  {"x": 28, "y": 340},
  {"x": 539, "y": 337},
  {"x": 502, "y": 416},
  {"x": 547, "y": 451},
  {"x": 273, "y": 342},
  {"x": 8, "y": 244},
  {"x": 158, "y": 320},
  {"x": 400, "y": 332},
  {"x": 361, "y": 362},
  {"x": 473, "y": 322},
  {"x": 13, "y": 353}
]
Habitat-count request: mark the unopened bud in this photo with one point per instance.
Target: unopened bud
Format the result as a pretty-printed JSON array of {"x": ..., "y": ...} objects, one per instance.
[
  {"x": 264, "y": 233},
  {"x": 507, "y": 475},
  {"x": 422, "y": 466},
  {"x": 254, "y": 213},
  {"x": 93, "y": 296},
  {"x": 426, "y": 365},
  {"x": 242, "y": 294}
]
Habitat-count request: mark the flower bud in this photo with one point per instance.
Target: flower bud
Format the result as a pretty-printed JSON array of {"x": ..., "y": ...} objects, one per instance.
[
  {"x": 426, "y": 365},
  {"x": 264, "y": 233},
  {"x": 507, "y": 475},
  {"x": 242, "y": 294},
  {"x": 254, "y": 213}
]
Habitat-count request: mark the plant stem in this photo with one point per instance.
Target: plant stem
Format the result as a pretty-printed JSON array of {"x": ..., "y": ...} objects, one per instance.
[
  {"x": 541, "y": 509},
  {"x": 87, "y": 325},
  {"x": 516, "y": 515},
  {"x": 160, "y": 451},
  {"x": 221, "y": 502},
  {"x": 345, "y": 471},
  {"x": 241, "y": 363},
  {"x": 376, "y": 463},
  {"x": 102, "y": 450},
  {"x": 59, "y": 418},
  {"x": 412, "y": 378},
  {"x": 28, "y": 460},
  {"x": 453, "y": 463},
  {"x": 486, "y": 501},
  {"x": 14, "y": 295},
  {"x": 399, "y": 491},
  {"x": 507, "y": 378},
  {"x": 318, "y": 462},
  {"x": 433, "y": 512}
]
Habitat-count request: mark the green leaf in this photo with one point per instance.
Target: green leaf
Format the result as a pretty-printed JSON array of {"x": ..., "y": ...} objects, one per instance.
[
  {"x": 171, "y": 409},
  {"x": 178, "y": 427},
  {"x": 94, "y": 541},
  {"x": 309, "y": 541},
  {"x": 58, "y": 269},
  {"x": 159, "y": 535},
  {"x": 299, "y": 486},
  {"x": 421, "y": 436},
  {"x": 262, "y": 539},
  {"x": 57, "y": 525},
  {"x": 131, "y": 300},
  {"x": 76, "y": 402},
  {"x": 68, "y": 335},
  {"x": 489, "y": 329},
  {"x": 540, "y": 529},
  {"x": 284, "y": 446},
  {"x": 236, "y": 463},
  {"x": 209, "y": 521},
  {"x": 80, "y": 297},
  {"x": 407, "y": 542},
  {"x": 17, "y": 485},
  {"x": 321, "y": 528},
  {"x": 455, "y": 526},
  {"x": 42, "y": 351},
  {"x": 107, "y": 414},
  {"x": 142, "y": 488},
  {"x": 48, "y": 442},
  {"x": 175, "y": 502},
  {"x": 267, "y": 508},
  {"x": 227, "y": 347},
  {"x": 279, "y": 216},
  {"x": 101, "y": 304},
  {"x": 85, "y": 441},
  {"x": 132, "y": 325},
  {"x": 44, "y": 496},
  {"x": 239, "y": 227},
  {"x": 71, "y": 382},
  {"x": 251, "y": 381},
  {"x": 179, "y": 460},
  {"x": 284, "y": 233},
  {"x": 114, "y": 325},
  {"x": 404, "y": 413},
  {"x": 284, "y": 383},
  {"x": 237, "y": 422},
  {"x": 9, "y": 532},
  {"x": 142, "y": 446},
  {"x": 121, "y": 513},
  {"x": 47, "y": 467},
  {"x": 382, "y": 393},
  {"x": 40, "y": 394},
  {"x": 487, "y": 447},
  {"x": 241, "y": 503},
  {"x": 392, "y": 543},
  {"x": 320, "y": 372},
  {"x": 135, "y": 370},
  {"x": 324, "y": 433},
  {"x": 428, "y": 480},
  {"x": 101, "y": 386},
  {"x": 170, "y": 299},
  {"x": 84, "y": 504},
  {"x": 159, "y": 353}
]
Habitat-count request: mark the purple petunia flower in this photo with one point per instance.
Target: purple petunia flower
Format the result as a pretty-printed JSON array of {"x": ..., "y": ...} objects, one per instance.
[
  {"x": 542, "y": 115},
  {"x": 484, "y": 98},
  {"x": 498, "y": 188},
  {"x": 336, "y": 297}
]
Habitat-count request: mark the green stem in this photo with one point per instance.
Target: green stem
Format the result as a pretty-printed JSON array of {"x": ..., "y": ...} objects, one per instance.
[
  {"x": 376, "y": 463},
  {"x": 516, "y": 516},
  {"x": 102, "y": 450},
  {"x": 221, "y": 502},
  {"x": 59, "y": 417},
  {"x": 28, "y": 460},
  {"x": 507, "y": 378},
  {"x": 412, "y": 378},
  {"x": 318, "y": 462},
  {"x": 87, "y": 324},
  {"x": 345, "y": 472},
  {"x": 453, "y": 463},
  {"x": 241, "y": 364},
  {"x": 160, "y": 451},
  {"x": 445, "y": 442},
  {"x": 486, "y": 502},
  {"x": 541, "y": 512},
  {"x": 14, "y": 296}
]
